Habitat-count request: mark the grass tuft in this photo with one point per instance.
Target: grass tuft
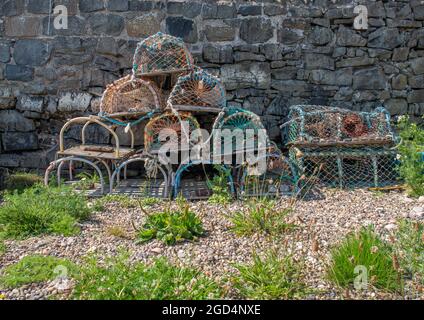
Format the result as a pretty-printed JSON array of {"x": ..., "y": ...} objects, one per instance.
[
  {"x": 260, "y": 216},
  {"x": 21, "y": 181},
  {"x": 117, "y": 279},
  {"x": 410, "y": 245},
  {"x": 117, "y": 231},
  {"x": 42, "y": 210},
  {"x": 122, "y": 200},
  {"x": 34, "y": 269},
  {"x": 172, "y": 226},
  {"x": 364, "y": 250},
  {"x": 270, "y": 277}
]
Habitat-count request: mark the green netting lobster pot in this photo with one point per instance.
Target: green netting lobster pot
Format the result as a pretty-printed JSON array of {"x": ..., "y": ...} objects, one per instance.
[
  {"x": 199, "y": 179},
  {"x": 236, "y": 131},
  {"x": 161, "y": 54},
  {"x": 198, "y": 89},
  {"x": 326, "y": 126},
  {"x": 347, "y": 167}
]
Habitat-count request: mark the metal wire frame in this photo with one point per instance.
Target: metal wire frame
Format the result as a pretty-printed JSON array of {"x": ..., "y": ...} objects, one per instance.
[
  {"x": 183, "y": 168},
  {"x": 59, "y": 163},
  {"x": 327, "y": 126},
  {"x": 139, "y": 158},
  {"x": 130, "y": 96},
  {"x": 197, "y": 91},
  {"x": 160, "y": 54},
  {"x": 92, "y": 120},
  {"x": 168, "y": 122},
  {"x": 346, "y": 167}
]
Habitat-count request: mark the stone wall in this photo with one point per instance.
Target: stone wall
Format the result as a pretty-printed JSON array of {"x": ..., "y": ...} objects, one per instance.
[{"x": 270, "y": 55}]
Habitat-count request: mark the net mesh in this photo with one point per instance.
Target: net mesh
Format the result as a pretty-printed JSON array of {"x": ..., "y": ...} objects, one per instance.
[
  {"x": 199, "y": 89},
  {"x": 175, "y": 126},
  {"x": 324, "y": 125},
  {"x": 342, "y": 148},
  {"x": 239, "y": 131},
  {"x": 161, "y": 53},
  {"x": 347, "y": 167},
  {"x": 130, "y": 96}
]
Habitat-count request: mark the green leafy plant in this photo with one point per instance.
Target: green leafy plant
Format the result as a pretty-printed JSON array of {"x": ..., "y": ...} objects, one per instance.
[
  {"x": 20, "y": 181},
  {"x": 260, "y": 215},
  {"x": 219, "y": 187},
  {"x": 42, "y": 210},
  {"x": 171, "y": 226},
  {"x": 411, "y": 167},
  {"x": 270, "y": 277},
  {"x": 87, "y": 180},
  {"x": 118, "y": 279},
  {"x": 34, "y": 269},
  {"x": 410, "y": 245},
  {"x": 365, "y": 250}
]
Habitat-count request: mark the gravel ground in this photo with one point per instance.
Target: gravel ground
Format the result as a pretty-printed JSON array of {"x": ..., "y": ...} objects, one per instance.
[{"x": 321, "y": 222}]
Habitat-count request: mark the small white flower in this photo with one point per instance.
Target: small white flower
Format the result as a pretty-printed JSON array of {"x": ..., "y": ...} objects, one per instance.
[{"x": 401, "y": 118}]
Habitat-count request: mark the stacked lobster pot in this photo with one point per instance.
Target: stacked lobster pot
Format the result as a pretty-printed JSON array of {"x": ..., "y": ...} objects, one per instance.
[
  {"x": 342, "y": 148},
  {"x": 167, "y": 93}
]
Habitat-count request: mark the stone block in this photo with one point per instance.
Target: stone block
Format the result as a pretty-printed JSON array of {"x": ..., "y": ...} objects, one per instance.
[
  {"x": 246, "y": 75},
  {"x": 72, "y": 101},
  {"x": 183, "y": 28},
  {"x": 19, "y": 141},
  {"x": 31, "y": 52},
  {"x": 256, "y": 30},
  {"x": 11, "y": 120},
  {"x": 143, "y": 26}
]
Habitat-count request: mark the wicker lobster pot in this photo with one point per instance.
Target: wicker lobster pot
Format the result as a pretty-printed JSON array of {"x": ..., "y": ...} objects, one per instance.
[
  {"x": 130, "y": 96},
  {"x": 178, "y": 127},
  {"x": 197, "y": 91},
  {"x": 161, "y": 54}
]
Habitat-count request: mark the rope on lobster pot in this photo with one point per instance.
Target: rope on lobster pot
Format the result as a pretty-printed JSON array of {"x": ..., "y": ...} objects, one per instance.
[{"x": 152, "y": 167}]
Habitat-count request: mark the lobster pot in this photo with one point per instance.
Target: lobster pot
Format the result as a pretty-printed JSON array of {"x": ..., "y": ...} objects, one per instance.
[
  {"x": 172, "y": 129},
  {"x": 161, "y": 54},
  {"x": 347, "y": 168},
  {"x": 270, "y": 176},
  {"x": 130, "y": 96},
  {"x": 198, "y": 91},
  {"x": 141, "y": 176},
  {"x": 236, "y": 131},
  {"x": 197, "y": 180},
  {"x": 328, "y": 126}
]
